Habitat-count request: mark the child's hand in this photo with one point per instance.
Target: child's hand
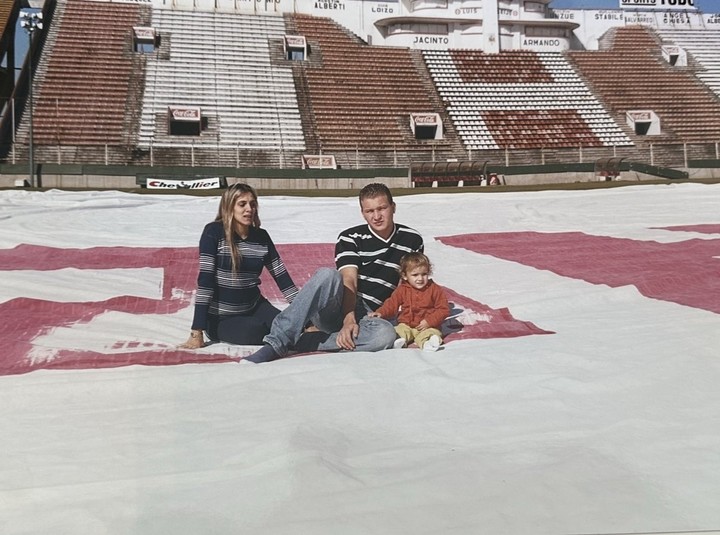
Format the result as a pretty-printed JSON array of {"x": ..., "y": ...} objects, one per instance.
[
  {"x": 373, "y": 315},
  {"x": 422, "y": 325}
]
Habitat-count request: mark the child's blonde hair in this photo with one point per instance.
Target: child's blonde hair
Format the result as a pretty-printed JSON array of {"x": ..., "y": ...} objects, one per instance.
[{"x": 412, "y": 260}]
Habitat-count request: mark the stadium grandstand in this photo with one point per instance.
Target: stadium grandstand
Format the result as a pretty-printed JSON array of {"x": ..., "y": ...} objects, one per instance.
[
  {"x": 351, "y": 84},
  {"x": 8, "y": 14}
]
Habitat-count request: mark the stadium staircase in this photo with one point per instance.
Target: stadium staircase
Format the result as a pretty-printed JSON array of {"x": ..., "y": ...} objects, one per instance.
[
  {"x": 632, "y": 75},
  {"x": 221, "y": 62},
  {"x": 450, "y": 134},
  {"x": 312, "y": 142},
  {"x": 361, "y": 98},
  {"x": 704, "y": 46},
  {"x": 82, "y": 83},
  {"x": 53, "y": 14},
  {"x": 519, "y": 99},
  {"x": 9, "y": 10},
  {"x": 7, "y": 7}
]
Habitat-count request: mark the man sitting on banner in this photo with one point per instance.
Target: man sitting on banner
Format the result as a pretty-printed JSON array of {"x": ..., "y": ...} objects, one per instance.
[{"x": 335, "y": 303}]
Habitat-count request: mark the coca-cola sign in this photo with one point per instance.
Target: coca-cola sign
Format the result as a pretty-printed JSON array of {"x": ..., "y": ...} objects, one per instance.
[
  {"x": 425, "y": 119},
  {"x": 319, "y": 162},
  {"x": 144, "y": 33},
  {"x": 185, "y": 113},
  {"x": 295, "y": 41},
  {"x": 640, "y": 115}
]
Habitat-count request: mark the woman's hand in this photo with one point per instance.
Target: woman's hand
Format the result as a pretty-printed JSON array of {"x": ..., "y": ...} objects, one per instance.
[{"x": 196, "y": 341}]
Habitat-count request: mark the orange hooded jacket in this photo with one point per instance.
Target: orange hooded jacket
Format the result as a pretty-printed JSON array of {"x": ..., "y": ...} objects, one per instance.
[{"x": 429, "y": 304}]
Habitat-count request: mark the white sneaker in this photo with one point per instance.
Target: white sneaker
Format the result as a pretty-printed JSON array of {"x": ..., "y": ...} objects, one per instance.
[
  {"x": 432, "y": 344},
  {"x": 399, "y": 343}
]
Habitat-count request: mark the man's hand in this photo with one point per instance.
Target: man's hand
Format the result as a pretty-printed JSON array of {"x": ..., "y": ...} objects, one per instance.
[
  {"x": 350, "y": 329},
  {"x": 347, "y": 335}
]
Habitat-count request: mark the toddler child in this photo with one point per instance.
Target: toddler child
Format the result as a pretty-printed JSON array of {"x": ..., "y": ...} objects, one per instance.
[{"x": 419, "y": 303}]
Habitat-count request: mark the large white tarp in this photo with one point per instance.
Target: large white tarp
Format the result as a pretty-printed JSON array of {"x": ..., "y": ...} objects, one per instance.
[{"x": 592, "y": 407}]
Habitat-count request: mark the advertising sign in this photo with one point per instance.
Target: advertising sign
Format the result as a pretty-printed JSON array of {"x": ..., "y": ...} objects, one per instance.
[
  {"x": 425, "y": 119},
  {"x": 318, "y": 161},
  {"x": 144, "y": 33},
  {"x": 200, "y": 183},
  {"x": 185, "y": 113},
  {"x": 657, "y": 4}
]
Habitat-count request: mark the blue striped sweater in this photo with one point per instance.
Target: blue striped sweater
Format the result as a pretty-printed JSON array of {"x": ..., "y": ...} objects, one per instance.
[{"x": 223, "y": 293}]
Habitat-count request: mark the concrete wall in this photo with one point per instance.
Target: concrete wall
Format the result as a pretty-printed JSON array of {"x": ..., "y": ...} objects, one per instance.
[
  {"x": 322, "y": 183},
  {"x": 68, "y": 181},
  {"x": 570, "y": 178},
  {"x": 129, "y": 182},
  {"x": 704, "y": 173},
  {"x": 554, "y": 178}
]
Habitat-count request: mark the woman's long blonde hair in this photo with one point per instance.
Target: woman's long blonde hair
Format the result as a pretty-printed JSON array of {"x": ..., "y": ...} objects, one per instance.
[{"x": 225, "y": 214}]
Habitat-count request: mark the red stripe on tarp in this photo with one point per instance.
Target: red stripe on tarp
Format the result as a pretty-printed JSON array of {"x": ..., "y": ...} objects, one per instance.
[
  {"x": 709, "y": 228},
  {"x": 24, "y": 319},
  {"x": 683, "y": 272}
]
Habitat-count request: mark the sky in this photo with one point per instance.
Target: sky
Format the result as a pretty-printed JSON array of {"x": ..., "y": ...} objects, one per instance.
[
  {"x": 577, "y": 391},
  {"x": 706, "y": 6}
]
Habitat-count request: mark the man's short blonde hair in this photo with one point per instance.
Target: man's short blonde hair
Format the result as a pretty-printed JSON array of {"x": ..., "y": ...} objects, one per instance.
[{"x": 373, "y": 190}]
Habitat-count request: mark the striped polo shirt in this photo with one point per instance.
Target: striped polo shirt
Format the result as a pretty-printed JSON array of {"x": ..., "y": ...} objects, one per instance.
[{"x": 376, "y": 259}]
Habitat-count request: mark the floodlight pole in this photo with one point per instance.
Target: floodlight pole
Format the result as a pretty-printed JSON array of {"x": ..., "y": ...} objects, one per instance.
[{"x": 31, "y": 22}]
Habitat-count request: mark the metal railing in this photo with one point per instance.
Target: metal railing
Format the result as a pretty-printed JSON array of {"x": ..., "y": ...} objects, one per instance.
[
  {"x": 677, "y": 155},
  {"x": 189, "y": 152}
]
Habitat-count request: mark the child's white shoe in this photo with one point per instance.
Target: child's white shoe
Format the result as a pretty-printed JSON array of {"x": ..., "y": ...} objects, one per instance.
[
  {"x": 432, "y": 344},
  {"x": 399, "y": 343}
]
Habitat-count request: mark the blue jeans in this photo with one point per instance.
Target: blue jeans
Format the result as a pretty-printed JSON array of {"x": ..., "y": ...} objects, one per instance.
[
  {"x": 320, "y": 302},
  {"x": 244, "y": 329}
]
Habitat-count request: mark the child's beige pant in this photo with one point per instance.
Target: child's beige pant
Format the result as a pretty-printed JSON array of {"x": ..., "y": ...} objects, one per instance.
[{"x": 409, "y": 334}]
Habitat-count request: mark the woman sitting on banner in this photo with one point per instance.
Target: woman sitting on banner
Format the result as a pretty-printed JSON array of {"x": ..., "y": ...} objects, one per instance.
[{"x": 233, "y": 251}]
